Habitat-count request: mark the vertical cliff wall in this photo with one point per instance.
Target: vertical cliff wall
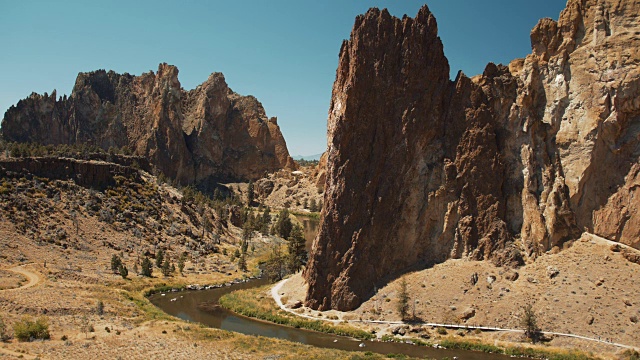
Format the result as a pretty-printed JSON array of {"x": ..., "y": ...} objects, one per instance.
[
  {"x": 502, "y": 166},
  {"x": 198, "y": 136}
]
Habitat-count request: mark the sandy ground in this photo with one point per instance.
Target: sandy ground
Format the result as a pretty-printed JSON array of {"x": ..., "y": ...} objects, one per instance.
[
  {"x": 587, "y": 290},
  {"x": 64, "y": 281}
]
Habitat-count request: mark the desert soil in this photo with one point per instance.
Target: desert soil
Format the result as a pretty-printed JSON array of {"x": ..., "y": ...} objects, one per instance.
[{"x": 587, "y": 289}]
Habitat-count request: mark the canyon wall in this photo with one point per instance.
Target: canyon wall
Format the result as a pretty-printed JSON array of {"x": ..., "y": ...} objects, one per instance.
[
  {"x": 503, "y": 166},
  {"x": 200, "y": 136}
]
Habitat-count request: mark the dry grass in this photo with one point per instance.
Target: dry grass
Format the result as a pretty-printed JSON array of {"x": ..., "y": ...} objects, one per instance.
[
  {"x": 592, "y": 281},
  {"x": 75, "y": 276},
  {"x": 11, "y": 280}
]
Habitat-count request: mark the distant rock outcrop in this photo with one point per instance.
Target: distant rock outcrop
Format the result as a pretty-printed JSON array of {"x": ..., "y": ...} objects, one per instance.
[
  {"x": 199, "y": 136},
  {"x": 502, "y": 166},
  {"x": 86, "y": 173}
]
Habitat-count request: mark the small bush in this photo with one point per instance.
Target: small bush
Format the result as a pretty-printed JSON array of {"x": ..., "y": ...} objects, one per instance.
[
  {"x": 100, "y": 307},
  {"x": 27, "y": 329},
  {"x": 4, "y": 335}
]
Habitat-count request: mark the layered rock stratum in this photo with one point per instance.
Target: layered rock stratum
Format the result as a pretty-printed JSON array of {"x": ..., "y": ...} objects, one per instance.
[
  {"x": 503, "y": 166},
  {"x": 200, "y": 136}
]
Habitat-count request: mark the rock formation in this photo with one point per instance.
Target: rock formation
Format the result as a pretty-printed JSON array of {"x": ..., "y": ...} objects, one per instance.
[
  {"x": 86, "y": 173},
  {"x": 503, "y": 166},
  {"x": 199, "y": 136}
]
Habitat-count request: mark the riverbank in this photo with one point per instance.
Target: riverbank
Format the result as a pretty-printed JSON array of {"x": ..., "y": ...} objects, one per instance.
[
  {"x": 582, "y": 298},
  {"x": 251, "y": 303},
  {"x": 129, "y": 325},
  {"x": 256, "y": 303}
]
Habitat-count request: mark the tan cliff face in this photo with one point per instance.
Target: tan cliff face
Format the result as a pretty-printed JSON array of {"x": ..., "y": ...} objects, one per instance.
[
  {"x": 199, "y": 136},
  {"x": 503, "y": 166}
]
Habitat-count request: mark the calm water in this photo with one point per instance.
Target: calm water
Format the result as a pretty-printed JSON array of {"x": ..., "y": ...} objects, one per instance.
[{"x": 201, "y": 306}]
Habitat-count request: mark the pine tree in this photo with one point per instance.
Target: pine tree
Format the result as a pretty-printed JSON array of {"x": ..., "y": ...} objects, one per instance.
[
  {"x": 166, "y": 267},
  {"x": 530, "y": 323},
  {"x": 283, "y": 226},
  {"x": 250, "y": 193},
  {"x": 181, "y": 261},
  {"x": 147, "y": 268},
  {"x": 242, "y": 263},
  {"x": 159, "y": 258},
  {"x": 313, "y": 207},
  {"x": 297, "y": 256},
  {"x": 274, "y": 267},
  {"x": 403, "y": 299}
]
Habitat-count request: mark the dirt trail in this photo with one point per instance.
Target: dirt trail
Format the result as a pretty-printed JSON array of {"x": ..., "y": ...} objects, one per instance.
[
  {"x": 277, "y": 297},
  {"x": 34, "y": 279}
]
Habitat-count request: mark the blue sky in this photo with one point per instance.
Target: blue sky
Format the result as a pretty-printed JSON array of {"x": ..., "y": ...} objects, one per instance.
[{"x": 284, "y": 52}]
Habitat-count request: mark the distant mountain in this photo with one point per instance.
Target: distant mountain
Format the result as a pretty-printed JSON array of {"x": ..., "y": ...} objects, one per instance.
[{"x": 307, "y": 157}]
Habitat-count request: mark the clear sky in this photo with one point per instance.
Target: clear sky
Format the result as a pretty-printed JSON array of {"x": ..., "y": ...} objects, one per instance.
[{"x": 284, "y": 52}]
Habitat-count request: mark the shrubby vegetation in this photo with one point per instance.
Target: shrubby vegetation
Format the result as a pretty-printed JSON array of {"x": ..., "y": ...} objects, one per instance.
[
  {"x": 27, "y": 329},
  {"x": 4, "y": 334},
  {"x": 76, "y": 151},
  {"x": 248, "y": 303},
  {"x": 303, "y": 162}
]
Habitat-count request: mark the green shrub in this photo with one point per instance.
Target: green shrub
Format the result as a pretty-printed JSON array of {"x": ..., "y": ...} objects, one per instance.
[
  {"x": 27, "y": 329},
  {"x": 4, "y": 336}
]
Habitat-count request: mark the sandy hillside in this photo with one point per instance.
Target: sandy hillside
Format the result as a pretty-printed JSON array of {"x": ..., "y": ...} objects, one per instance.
[{"x": 589, "y": 289}]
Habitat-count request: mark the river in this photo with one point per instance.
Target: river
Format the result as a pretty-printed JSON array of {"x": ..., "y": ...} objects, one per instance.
[{"x": 201, "y": 306}]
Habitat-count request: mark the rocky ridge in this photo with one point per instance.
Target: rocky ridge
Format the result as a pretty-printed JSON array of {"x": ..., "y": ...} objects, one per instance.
[
  {"x": 504, "y": 166},
  {"x": 200, "y": 136}
]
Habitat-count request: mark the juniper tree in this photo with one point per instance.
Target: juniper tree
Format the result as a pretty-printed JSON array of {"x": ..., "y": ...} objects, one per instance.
[
  {"x": 181, "y": 261},
  {"x": 403, "y": 299},
  {"x": 159, "y": 258},
  {"x": 297, "y": 256},
  {"x": 283, "y": 225},
  {"x": 122, "y": 269},
  {"x": 166, "y": 267},
  {"x": 116, "y": 262},
  {"x": 530, "y": 323},
  {"x": 147, "y": 268},
  {"x": 250, "y": 193}
]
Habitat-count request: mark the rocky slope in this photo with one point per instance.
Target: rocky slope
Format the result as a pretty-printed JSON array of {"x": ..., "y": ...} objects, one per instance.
[
  {"x": 502, "y": 166},
  {"x": 199, "y": 136}
]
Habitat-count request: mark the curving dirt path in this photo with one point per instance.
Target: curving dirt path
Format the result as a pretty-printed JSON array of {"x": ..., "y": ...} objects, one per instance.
[
  {"x": 275, "y": 293},
  {"x": 34, "y": 278}
]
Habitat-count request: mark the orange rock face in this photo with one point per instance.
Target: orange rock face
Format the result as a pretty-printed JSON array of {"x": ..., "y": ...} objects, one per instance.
[
  {"x": 200, "y": 136},
  {"x": 503, "y": 166}
]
